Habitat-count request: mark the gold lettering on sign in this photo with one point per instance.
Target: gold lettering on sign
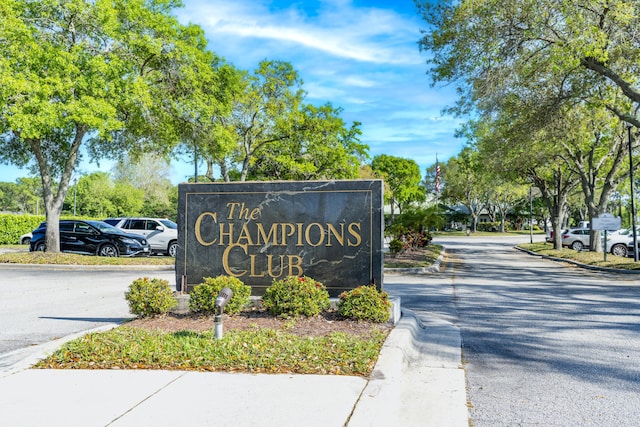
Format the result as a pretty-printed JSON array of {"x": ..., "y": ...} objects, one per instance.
[
  {"x": 225, "y": 260},
  {"x": 339, "y": 236},
  {"x": 228, "y": 234},
  {"x": 307, "y": 234},
  {"x": 199, "y": 225},
  {"x": 238, "y": 231},
  {"x": 355, "y": 234},
  {"x": 286, "y": 226},
  {"x": 280, "y": 233},
  {"x": 245, "y": 235},
  {"x": 243, "y": 211},
  {"x": 253, "y": 267},
  {"x": 297, "y": 266},
  {"x": 272, "y": 237},
  {"x": 294, "y": 262}
]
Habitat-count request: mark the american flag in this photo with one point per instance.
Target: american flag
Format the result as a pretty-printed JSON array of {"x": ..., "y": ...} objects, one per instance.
[{"x": 437, "y": 176}]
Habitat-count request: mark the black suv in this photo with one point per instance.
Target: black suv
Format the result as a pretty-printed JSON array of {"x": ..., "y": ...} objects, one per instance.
[{"x": 92, "y": 237}]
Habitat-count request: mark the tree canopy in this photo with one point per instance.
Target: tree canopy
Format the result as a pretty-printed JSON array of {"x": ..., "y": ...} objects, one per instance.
[
  {"x": 271, "y": 133},
  {"x": 548, "y": 83},
  {"x": 107, "y": 74},
  {"x": 402, "y": 180}
]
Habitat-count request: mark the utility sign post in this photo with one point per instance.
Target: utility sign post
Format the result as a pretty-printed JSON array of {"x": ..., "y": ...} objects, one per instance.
[{"x": 607, "y": 222}]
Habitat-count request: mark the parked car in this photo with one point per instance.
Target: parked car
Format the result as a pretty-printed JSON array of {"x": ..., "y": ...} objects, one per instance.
[
  {"x": 161, "y": 233},
  {"x": 549, "y": 238},
  {"x": 620, "y": 243},
  {"x": 630, "y": 244},
  {"x": 93, "y": 238},
  {"x": 25, "y": 238},
  {"x": 576, "y": 238}
]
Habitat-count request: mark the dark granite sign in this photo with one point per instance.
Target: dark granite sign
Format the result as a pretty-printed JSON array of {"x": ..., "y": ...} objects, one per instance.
[{"x": 330, "y": 231}]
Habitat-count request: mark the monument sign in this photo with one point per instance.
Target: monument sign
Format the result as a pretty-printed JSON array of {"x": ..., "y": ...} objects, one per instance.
[{"x": 331, "y": 231}]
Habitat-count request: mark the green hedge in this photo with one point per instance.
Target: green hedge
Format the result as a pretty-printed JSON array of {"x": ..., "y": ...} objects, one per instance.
[
  {"x": 13, "y": 226},
  {"x": 493, "y": 226}
]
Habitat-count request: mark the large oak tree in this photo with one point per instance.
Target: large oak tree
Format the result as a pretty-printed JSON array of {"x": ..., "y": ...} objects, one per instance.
[
  {"x": 551, "y": 68},
  {"x": 109, "y": 75}
]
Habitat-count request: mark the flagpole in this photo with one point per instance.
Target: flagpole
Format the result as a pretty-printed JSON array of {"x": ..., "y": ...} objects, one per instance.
[{"x": 437, "y": 186}]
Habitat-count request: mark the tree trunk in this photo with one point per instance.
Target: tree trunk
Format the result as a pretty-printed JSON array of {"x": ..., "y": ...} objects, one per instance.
[
  {"x": 554, "y": 194},
  {"x": 53, "y": 202},
  {"x": 224, "y": 171},
  {"x": 209, "y": 173}
]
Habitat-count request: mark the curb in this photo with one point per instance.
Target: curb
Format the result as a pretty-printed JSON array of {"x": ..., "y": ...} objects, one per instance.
[
  {"x": 578, "y": 264},
  {"x": 27, "y": 357},
  {"x": 88, "y": 267},
  {"x": 433, "y": 268},
  {"x": 411, "y": 374}
]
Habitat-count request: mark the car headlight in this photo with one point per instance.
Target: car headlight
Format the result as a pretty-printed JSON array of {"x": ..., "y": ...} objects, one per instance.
[{"x": 129, "y": 241}]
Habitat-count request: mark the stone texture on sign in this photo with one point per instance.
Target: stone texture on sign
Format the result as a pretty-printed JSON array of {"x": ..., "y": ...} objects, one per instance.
[{"x": 261, "y": 231}]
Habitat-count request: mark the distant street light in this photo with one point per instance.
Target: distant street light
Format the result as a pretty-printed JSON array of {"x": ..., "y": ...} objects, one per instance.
[
  {"x": 633, "y": 205},
  {"x": 75, "y": 191},
  {"x": 530, "y": 214}
]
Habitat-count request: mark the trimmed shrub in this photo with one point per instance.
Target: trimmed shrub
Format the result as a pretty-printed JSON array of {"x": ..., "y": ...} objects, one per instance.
[
  {"x": 150, "y": 297},
  {"x": 294, "y": 296},
  {"x": 365, "y": 303},
  {"x": 202, "y": 298},
  {"x": 396, "y": 246},
  {"x": 405, "y": 238}
]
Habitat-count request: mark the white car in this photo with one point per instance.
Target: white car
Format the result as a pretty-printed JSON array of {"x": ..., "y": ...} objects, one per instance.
[
  {"x": 161, "y": 233},
  {"x": 25, "y": 239},
  {"x": 576, "y": 238},
  {"x": 620, "y": 243}
]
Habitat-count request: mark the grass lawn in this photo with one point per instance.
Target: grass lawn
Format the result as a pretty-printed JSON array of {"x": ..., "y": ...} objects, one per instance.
[
  {"x": 588, "y": 258},
  {"x": 19, "y": 254},
  {"x": 255, "y": 351}
]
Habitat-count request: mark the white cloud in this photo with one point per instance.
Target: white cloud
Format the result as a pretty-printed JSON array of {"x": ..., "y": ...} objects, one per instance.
[
  {"x": 363, "y": 59},
  {"x": 338, "y": 29}
]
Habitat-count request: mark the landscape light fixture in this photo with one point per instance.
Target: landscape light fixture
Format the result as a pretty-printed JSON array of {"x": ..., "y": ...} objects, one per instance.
[{"x": 223, "y": 298}]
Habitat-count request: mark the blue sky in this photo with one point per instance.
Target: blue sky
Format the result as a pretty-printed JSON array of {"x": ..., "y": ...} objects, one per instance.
[{"x": 361, "y": 56}]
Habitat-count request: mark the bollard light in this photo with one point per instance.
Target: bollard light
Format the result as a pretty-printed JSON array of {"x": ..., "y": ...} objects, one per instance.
[{"x": 223, "y": 298}]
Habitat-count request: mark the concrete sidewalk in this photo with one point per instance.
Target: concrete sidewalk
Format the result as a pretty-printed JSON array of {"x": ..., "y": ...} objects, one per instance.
[{"x": 418, "y": 381}]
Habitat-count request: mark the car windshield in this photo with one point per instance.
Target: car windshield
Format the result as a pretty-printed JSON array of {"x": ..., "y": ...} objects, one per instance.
[
  {"x": 105, "y": 228},
  {"x": 625, "y": 231},
  {"x": 169, "y": 224}
]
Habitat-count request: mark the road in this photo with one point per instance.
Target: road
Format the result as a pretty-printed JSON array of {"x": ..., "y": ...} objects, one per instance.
[
  {"x": 38, "y": 305},
  {"x": 543, "y": 343}
]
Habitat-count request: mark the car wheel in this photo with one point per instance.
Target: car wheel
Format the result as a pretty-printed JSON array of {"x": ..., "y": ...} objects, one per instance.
[
  {"x": 620, "y": 250},
  {"x": 577, "y": 245},
  {"x": 173, "y": 249},
  {"x": 26, "y": 241},
  {"x": 108, "y": 250},
  {"x": 40, "y": 247}
]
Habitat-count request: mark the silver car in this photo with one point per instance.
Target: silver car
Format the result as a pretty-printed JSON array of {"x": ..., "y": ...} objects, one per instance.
[
  {"x": 620, "y": 243},
  {"x": 161, "y": 233},
  {"x": 576, "y": 238}
]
